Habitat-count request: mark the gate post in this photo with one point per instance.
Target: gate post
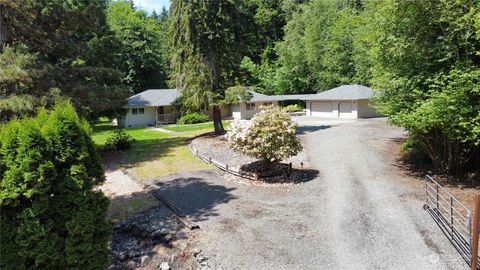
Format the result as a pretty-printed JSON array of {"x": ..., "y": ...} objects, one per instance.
[{"x": 476, "y": 219}]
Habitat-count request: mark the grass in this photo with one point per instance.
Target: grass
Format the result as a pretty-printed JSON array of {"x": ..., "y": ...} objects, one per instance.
[{"x": 155, "y": 154}]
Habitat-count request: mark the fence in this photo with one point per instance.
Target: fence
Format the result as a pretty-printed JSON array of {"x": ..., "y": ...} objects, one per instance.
[
  {"x": 453, "y": 218},
  {"x": 230, "y": 169}
]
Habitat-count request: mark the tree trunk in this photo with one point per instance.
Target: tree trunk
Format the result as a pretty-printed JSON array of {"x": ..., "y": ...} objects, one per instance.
[
  {"x": 217, "y": 120},
  {"x": 5, "y": 29}
]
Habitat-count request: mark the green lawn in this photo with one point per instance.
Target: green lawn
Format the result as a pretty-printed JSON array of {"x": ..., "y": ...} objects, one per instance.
[{"x": 154, "y": 153}]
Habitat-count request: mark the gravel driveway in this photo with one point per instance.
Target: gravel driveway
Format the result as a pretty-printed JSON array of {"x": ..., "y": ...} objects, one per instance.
[{"x": 357, "y": 214}]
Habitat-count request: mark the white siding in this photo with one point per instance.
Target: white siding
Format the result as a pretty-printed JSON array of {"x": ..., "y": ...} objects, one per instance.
[
  {"x": 365, "y": 110},
  {"x": 239, "y": 111},
  {"x": 148, "y": 118}
]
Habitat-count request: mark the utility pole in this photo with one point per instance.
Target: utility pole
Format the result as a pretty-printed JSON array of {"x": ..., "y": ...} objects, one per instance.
[{"x": 476, "y": 220}]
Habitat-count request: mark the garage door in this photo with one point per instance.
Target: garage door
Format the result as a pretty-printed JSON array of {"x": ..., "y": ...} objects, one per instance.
[
  {"x": 322, "y": 109},
  {"x": 345, "y": 110}
]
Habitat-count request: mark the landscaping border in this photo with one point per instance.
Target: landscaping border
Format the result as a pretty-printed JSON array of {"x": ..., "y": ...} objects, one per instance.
[{"x": 226, "y": 168}]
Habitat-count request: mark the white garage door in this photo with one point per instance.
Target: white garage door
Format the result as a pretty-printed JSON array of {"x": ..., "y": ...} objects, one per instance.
[
  {"x": 345, "y": 110},
  {"x": 322, "y": 109}
]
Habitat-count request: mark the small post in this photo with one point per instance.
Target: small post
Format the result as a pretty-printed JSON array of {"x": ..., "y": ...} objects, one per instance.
[
  {"x": 451, "y": 215},
  {"x": 210, "y": 160},
  {"x": 226, "y": 167},
  {"x": 301, "y": 164},
  {"x": 197, "y": 153},
  {"x": 476, "y": 220}
]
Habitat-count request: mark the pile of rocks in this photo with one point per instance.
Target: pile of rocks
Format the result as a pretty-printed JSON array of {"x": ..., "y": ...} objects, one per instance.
[{"x": 153, "y": 239}]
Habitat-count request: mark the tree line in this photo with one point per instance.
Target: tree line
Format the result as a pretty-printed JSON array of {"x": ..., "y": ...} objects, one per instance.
[{"x": 422, "y": 56}]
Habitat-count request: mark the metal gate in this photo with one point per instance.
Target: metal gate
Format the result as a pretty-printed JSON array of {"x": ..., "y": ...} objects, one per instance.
[{"x": 453, "y": 218}]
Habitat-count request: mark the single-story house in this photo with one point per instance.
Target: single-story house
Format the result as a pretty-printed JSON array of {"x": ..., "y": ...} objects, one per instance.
[
  {"x": 154, "y": 107},
  {"x": 149, "y": 108}
]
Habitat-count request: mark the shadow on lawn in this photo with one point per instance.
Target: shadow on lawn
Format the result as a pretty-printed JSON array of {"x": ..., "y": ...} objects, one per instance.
[
  {"x": 148, "y": 150},
  {"x": 194, "y": 196}
]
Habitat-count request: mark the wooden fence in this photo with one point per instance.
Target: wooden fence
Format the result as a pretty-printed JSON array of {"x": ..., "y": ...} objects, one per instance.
[{"x": 229, "y": 169}]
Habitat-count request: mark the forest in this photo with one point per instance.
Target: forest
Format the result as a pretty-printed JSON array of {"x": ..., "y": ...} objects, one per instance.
[{"x": 422, "y": 57}]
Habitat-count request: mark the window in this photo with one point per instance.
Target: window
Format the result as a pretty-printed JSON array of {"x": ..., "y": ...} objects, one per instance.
[
  {"x": 138, "y": 110},
  {"x": 250, "y": 106}
]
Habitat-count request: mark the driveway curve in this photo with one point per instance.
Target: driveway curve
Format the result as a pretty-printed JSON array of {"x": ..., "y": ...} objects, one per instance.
[{"x": 357, "y": 214}]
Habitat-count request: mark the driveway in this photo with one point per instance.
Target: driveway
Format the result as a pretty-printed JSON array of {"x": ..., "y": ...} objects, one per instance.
[{"x": 357, "y": 213}]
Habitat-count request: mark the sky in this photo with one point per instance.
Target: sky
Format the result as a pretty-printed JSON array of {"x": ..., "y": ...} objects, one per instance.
[{"x": 150, "y": 5}]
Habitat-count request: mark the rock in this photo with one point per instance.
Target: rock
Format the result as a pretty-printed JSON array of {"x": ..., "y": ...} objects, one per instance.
[
  {"x": 168, "y": 237},
  {"x": 164, "y": 266},
  {"x": 133, "y": 254},
  {"x": 164, "y": 231},
  {"x": 144, "y": 260},
  {"x": 202, "y": 259},
  {"x": 197, "y": 251},
  {"x": 122, "y": 256}
]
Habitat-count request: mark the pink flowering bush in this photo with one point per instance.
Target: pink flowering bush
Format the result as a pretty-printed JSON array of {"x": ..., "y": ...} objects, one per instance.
[{"x": 269, "y": 136}]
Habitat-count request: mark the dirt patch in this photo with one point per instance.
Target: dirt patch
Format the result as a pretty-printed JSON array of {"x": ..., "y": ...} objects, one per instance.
[{"x": 415, "y": 177}]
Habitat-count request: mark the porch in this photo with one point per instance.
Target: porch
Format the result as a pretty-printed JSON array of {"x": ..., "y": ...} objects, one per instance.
[{"x": 165, "y": 115}]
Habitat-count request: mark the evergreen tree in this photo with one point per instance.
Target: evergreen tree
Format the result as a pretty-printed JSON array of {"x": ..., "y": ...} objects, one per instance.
[
  {"x": 70, "y": 51},
  {"x": 51, "y": 217},
  {"x": 207, "y": 48}
]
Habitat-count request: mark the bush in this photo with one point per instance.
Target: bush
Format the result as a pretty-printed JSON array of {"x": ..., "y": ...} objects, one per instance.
[
  {"x": 269, "y": 136},
  {"x": 51, "y": 216},
  {"x": 120, "y": 140},
  {"x": 193, "y": 118},
  {"x": 293, "y": 108}
]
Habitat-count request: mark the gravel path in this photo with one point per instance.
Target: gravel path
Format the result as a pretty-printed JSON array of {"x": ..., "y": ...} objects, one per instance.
[{"x": 357, "y": 214}]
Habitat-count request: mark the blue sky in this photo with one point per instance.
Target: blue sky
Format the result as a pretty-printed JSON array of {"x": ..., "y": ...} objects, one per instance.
[{"x": 150, "y": 5}]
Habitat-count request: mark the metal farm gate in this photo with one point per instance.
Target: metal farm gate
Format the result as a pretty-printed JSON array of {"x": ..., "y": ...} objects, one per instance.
[{"x": 453, "y": 218}]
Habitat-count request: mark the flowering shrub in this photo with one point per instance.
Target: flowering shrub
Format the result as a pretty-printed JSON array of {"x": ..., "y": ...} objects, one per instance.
[{"x": 269, "y": 136}]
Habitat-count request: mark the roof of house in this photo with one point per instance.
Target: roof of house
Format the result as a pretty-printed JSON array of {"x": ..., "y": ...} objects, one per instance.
[
  {"x": 165, "y": 97},
  {"x": 344, "y": 92},
  {"x": 153, "y": 98}
]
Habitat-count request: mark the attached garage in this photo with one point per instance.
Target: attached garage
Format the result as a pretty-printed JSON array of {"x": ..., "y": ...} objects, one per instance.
[
  {"x": 345, "y": 110},
  {"x": 347, "y": 101},
  {"x": 322, "y": 109}
]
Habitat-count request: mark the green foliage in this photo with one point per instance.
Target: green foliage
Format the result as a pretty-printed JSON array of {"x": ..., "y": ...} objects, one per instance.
[
  {"x": 144, "y": 53},
  {"x": 427, "y": 69},
  {"x": 193, "y": 118},
  {"x": 318, "y": 51},
  {"x": 51, "y": 218},
  {"x": 293, "y": 108},
  {"x": 120, "y": 140},
  {"x": 59, "y": 45},
  {"x": 269, "y": 136}
]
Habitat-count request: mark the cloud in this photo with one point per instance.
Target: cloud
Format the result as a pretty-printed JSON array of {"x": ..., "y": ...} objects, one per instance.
[{"x": 150, "y": 5}]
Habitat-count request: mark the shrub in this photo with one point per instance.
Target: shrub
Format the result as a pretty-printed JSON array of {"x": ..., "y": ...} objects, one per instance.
[
  {"x": 193, "y": 118},
  {"x": 269, "y": 136},
  {"x": 51, "y": 216},
  {"x": 120, "y": 140},
  {"x": 293, "y": 108}
]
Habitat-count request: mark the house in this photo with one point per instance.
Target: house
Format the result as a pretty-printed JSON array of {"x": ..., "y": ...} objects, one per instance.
[
  {"x": 154, "y": 107},
  {"x": 247, "y": 109},
  {"x": 149, "y": 108},
  {"x": 346, "y": 101}
]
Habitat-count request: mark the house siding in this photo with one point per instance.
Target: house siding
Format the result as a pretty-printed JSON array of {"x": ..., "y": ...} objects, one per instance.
[{"x": 138, "y": 120}]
